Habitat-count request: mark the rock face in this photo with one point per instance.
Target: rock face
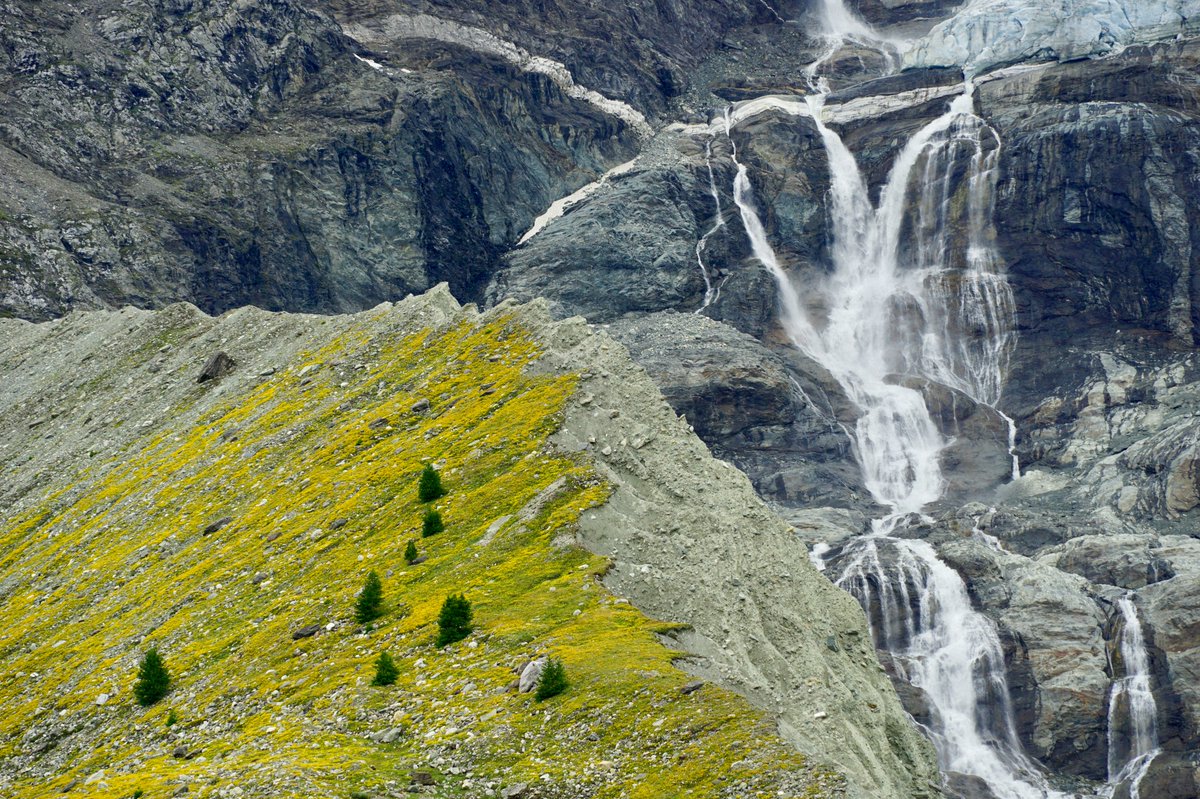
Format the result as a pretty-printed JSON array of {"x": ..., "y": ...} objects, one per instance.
[
  {"x": 232, "y": 154},
  {"x": 1096, "y": 224}
]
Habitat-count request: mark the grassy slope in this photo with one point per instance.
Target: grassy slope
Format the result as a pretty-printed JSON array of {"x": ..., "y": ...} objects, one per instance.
[{"x": 116, "y": 562}]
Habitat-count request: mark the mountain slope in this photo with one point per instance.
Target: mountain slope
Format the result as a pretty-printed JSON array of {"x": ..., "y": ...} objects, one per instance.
[{"x": 216, "y": 520}]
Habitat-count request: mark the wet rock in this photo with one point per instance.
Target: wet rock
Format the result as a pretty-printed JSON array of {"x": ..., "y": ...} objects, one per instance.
[
  {"x": 1126, "y": 561},
  {"x": 976, "y": 460},
  {"x": 1170, "y": 776},
  {"x": 750, "y": 402},
  {"x": 967, "y": 786}
]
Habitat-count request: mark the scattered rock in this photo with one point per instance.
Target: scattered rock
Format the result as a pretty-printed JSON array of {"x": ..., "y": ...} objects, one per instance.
[
  {"x": 379, "y": 424},
  {"x": 692, "y": 687},
  {"x": 420, "y": 406},
  {"x": 102, "y": 699},
  {"x": 388, "y": 736},
  {"x": 518, "y": 791},
  {"x": 306, "y": 632},
  {"x": 216, "y": 525},
  {"x": 338, "y": 524},
  {"x": 422, "y": 777}
]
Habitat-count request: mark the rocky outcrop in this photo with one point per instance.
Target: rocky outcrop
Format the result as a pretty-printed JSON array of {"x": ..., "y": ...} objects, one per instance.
[{"x": 756, "y": 407}]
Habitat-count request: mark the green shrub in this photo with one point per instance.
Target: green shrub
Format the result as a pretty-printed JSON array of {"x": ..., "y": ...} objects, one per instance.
[
  {"x": 370, "y": 600},
  {"x": 432, "y": 524},
  {"x": 410, "y": 552},
  {"x": 153, "y": 680},
  {"x": 430, "y": 487},
  {"x": 385, "y": 670},
  {"x": 454, "y": 620},
  {"x": 172, "y": 718},
  {"x": 553, "y": 680}
]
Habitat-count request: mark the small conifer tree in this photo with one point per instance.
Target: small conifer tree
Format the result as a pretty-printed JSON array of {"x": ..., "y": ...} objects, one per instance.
[
  {"x": 385, "y": 670},
  {"x": 432, "y": 524},
  {"x": 370, "y": 600},
  {"x": 410, "y": 552},
  {"x": 153, "y": 680},
  {"x": 172, "y": 717},
  {"x": 430, "y": 487},
  {"x": 553, "y": 680},
  {"x": 454, "y": 620}
]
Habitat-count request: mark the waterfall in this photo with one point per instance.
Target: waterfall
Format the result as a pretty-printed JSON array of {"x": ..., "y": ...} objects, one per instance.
[
  {"x": 840, "y": 25},
  {"x": 711, "y": 292},
  {"x": 920, "y": 612},
  {"x": 1132, "y": 702},
  {"x": 916, "y": 290}
]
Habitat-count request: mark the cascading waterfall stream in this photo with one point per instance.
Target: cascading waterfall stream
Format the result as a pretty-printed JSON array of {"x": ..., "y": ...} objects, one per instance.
[
  {"x": 712, "y": 292},
  {"x": 1132, "y": 709},
  {"x": 840, "y": 25},
  {"x": 908, "y": 297}
]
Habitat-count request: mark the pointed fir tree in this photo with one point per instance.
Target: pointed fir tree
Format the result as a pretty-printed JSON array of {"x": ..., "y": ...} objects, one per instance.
[
  {"x": 454, "y": 620},
  {"x": 432, "y": 525},
  {"x": 153, "y": 680},
  {"x": 553, "y": 680},
  {"x": 430, "y": 487},
  {"x": 370, "y": 600},
  {"x": 385, "y": 670},
  {"x": 410, "y": 552}
]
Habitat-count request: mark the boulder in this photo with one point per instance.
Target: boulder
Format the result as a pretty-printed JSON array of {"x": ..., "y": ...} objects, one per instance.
[
  {"x": 530, "y": 674},
  {"x": 217, "y": 366}
]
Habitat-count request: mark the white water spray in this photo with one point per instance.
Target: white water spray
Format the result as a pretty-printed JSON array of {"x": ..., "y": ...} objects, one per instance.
[
  {"x": 910, "y": 296},
  {"x": 712, "y": 292},
  {"x": 1132, "y": 711},
  {"x": 920, "y": 612},
  {"x": 840, "y": 25}
]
